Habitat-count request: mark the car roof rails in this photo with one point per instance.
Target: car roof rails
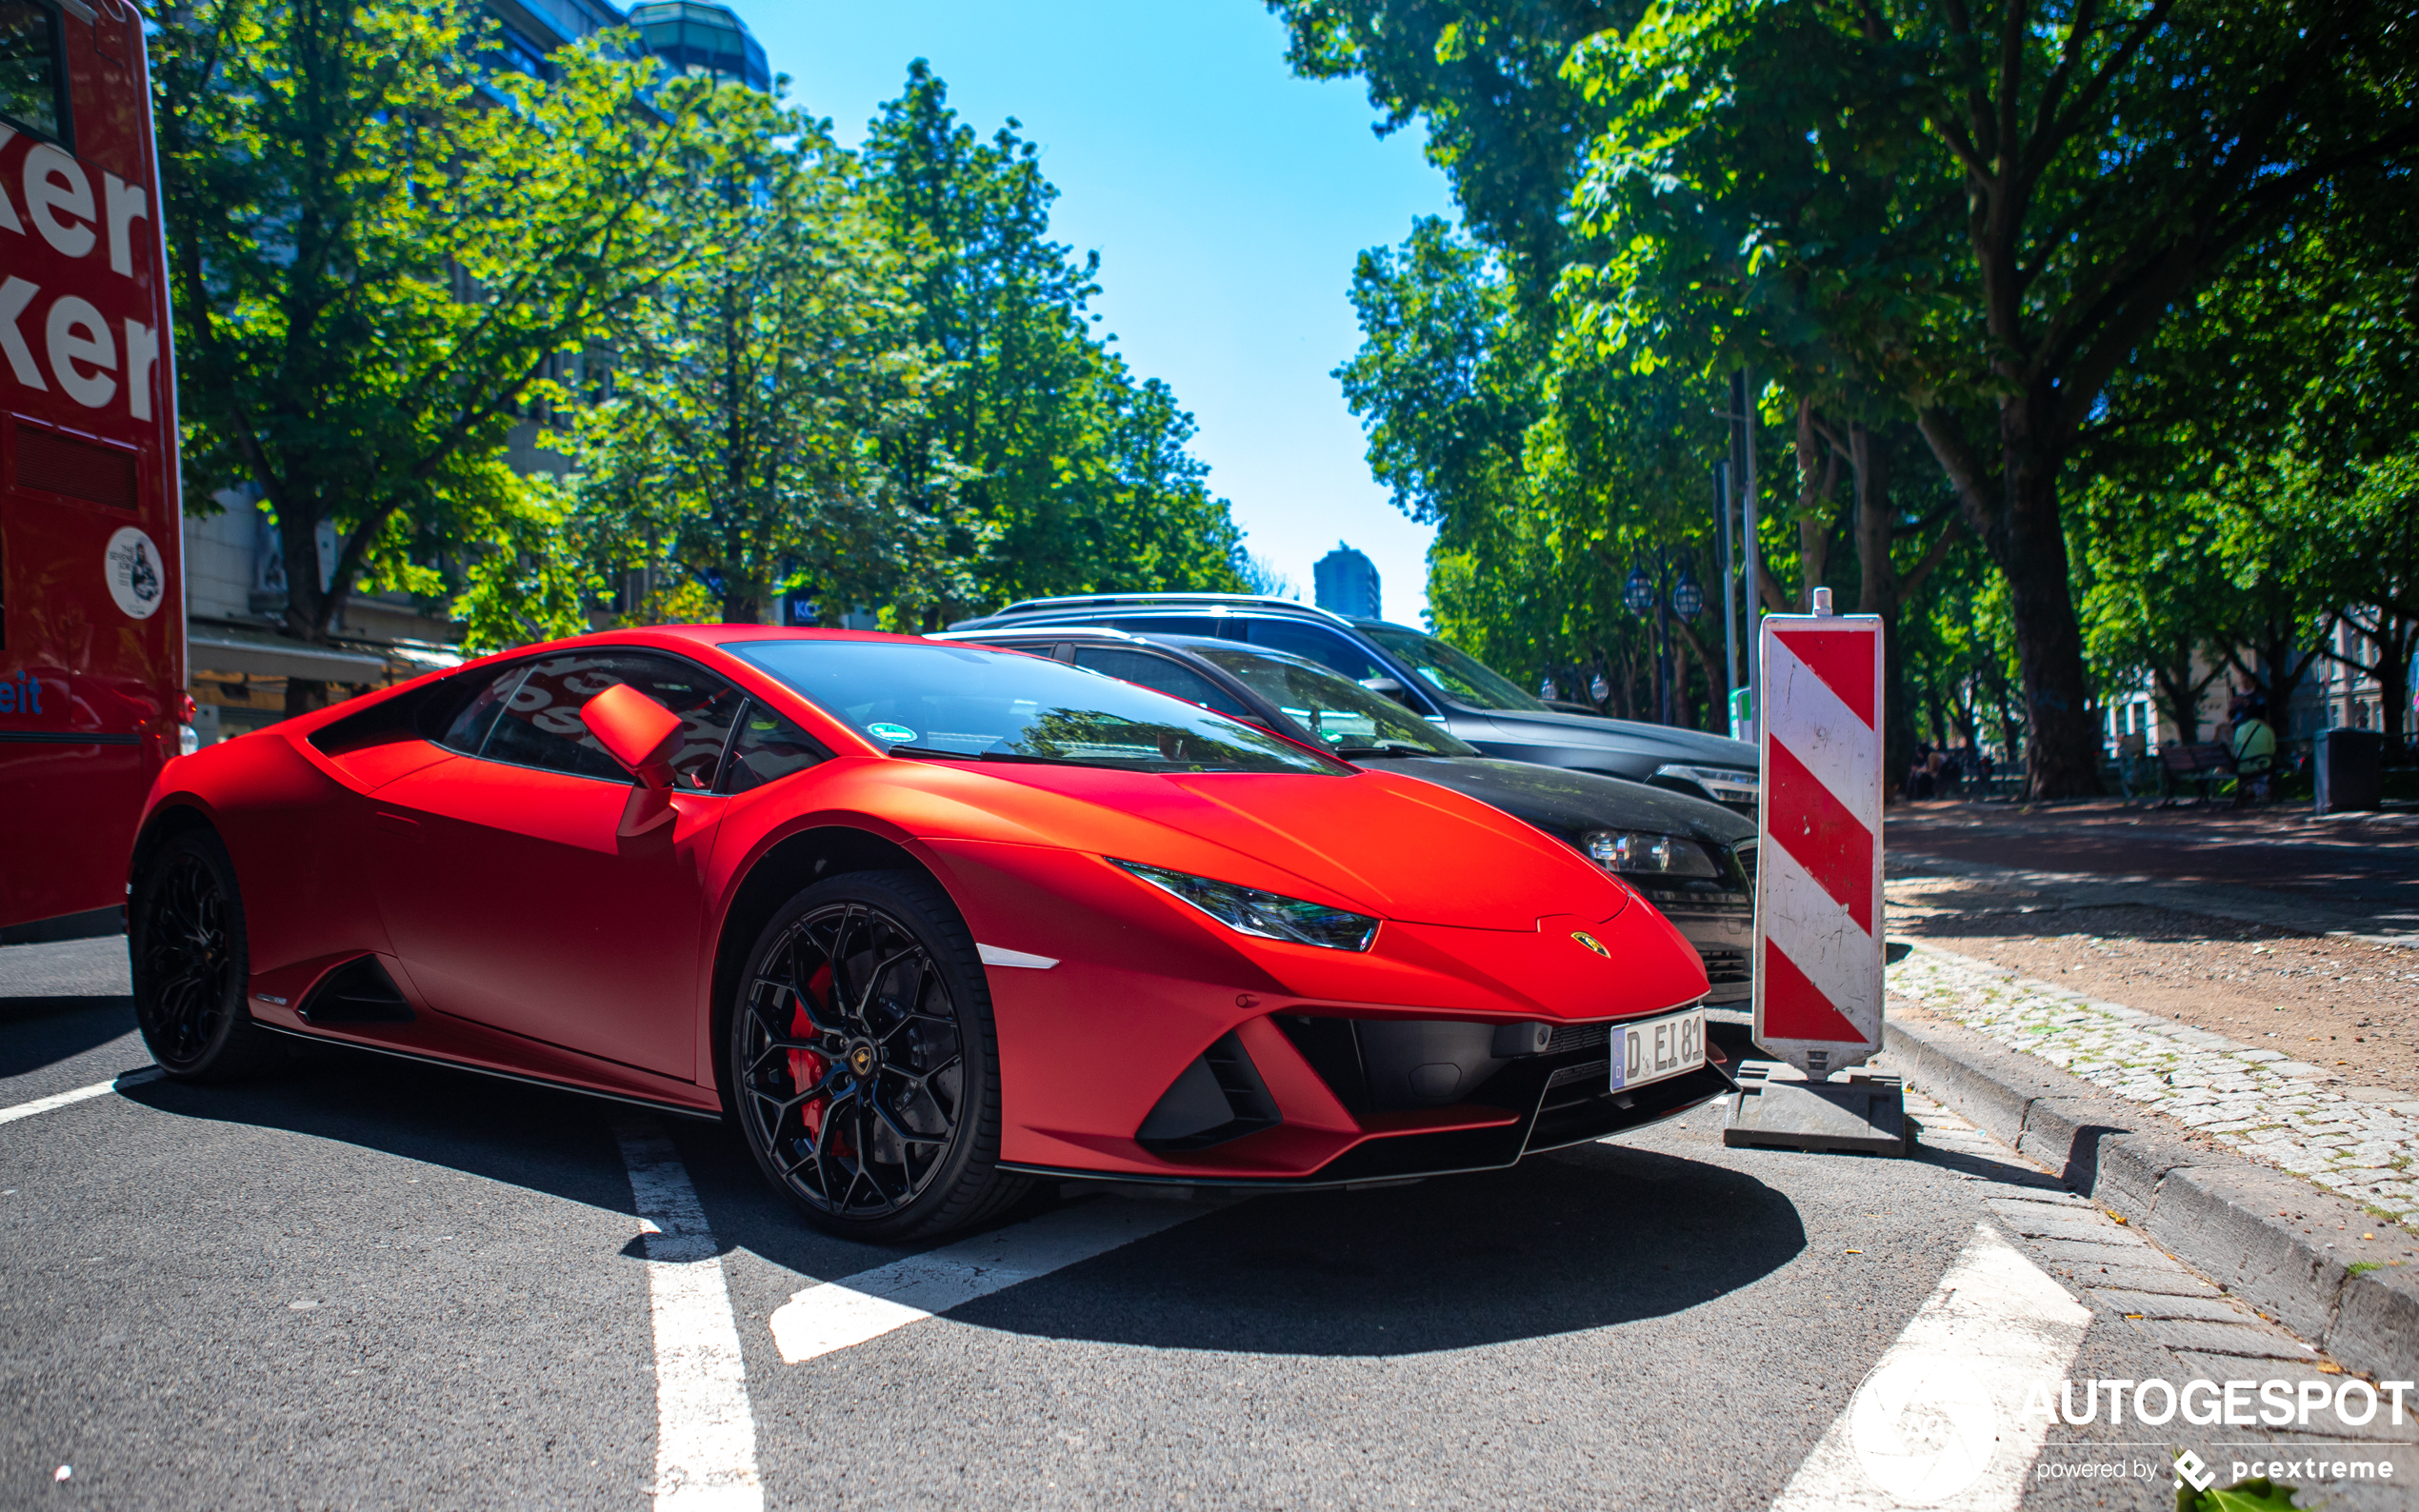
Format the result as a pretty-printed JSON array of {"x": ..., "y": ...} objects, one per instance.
[
  {"x": 1213, "y": 602},
  {"x": 997, "y": 633}
]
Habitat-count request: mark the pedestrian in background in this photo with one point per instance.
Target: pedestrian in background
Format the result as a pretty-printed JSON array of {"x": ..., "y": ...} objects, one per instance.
[{"x": 2255, "y": 749}]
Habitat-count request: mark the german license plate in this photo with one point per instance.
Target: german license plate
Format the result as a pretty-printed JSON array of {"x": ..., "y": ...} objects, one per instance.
[{"x": 1657, "y": 1050}]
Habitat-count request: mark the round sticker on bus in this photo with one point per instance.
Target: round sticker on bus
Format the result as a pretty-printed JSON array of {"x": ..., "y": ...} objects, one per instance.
[
  {"x": 892, "y": 732},
  {"x": 138, "y": 577}
]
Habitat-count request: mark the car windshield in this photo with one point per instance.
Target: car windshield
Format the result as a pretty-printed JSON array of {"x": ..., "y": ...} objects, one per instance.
[
  {"x": 1458, "y": 675},
  {"x": 1334, "y": 710},
  {"x": 922, "y": 699}
]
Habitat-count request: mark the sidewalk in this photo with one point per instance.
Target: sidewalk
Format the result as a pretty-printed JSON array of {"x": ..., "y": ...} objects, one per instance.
[
  {"x": 2207, "y": 1021},
  {"x": 2358, "y": 1142}
]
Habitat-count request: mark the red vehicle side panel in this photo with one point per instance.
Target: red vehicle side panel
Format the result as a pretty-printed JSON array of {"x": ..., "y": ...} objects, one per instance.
[{"x": 91, "y": 624}]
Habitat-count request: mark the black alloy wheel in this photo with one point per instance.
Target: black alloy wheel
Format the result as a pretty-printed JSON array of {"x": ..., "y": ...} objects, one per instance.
[
  {"x": 185, "y": 937},
  {"x": 863, "y": 1061}
]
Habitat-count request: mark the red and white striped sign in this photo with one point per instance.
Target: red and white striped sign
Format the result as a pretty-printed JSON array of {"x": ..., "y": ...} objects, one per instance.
[{"x": 1818, "y": 883}]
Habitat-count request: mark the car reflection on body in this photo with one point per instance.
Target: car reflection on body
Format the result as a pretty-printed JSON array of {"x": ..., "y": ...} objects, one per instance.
[
  {"x": 927, "y": 920},
  {"x": 1692, "y": 858}
]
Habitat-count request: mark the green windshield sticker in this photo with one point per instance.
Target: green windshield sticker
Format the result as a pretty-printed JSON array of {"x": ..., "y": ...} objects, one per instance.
[{"x": 892, "y": 732}]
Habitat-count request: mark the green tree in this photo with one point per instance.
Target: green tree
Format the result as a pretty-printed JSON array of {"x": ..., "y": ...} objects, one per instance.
[
  {"x": 1983, "y": 212},
  {"x": 383, "y": 253},
  {"x": 1074, "y": 477},
  {"x": 759, "y": 393},
  {"x": 1975, "y": 216}
]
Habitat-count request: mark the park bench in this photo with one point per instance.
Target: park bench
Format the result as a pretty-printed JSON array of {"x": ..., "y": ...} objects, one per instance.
[{"x": 2204, "y": 761}]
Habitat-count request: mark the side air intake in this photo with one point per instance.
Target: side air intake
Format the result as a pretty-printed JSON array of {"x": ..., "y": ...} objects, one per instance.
[
  {"x": 357, "y": 992},
  {"x": 1218, "y": 1098}
]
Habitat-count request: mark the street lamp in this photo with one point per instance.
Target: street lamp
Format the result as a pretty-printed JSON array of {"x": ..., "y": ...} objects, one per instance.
[
  {"x": 1639, "y": 592},
  {"x": 1688, "y": 600}
]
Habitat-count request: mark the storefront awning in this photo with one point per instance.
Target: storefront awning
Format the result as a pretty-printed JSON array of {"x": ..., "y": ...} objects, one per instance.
[{"x": 235, "y": 653}]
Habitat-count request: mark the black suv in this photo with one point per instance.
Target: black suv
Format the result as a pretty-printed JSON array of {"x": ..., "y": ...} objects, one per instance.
[{"x": 1448, "y": 686}]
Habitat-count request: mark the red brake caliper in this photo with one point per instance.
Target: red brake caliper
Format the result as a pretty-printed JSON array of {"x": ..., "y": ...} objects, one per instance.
[{"x": 806, "y": 1066}]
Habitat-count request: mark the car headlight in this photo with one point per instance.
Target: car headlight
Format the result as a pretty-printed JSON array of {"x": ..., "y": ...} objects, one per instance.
[
  {"x": 1633, "y": 854},
  {"x": 1727, "y": 785},
  {"x": 1270, "y": 915}
]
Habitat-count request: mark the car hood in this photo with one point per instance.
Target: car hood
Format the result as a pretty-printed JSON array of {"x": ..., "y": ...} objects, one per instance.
[
  {"x": 1568, "y": 803},
  {"x": 1376, "y": 842},
  {"x": 1663, "y": 743}
]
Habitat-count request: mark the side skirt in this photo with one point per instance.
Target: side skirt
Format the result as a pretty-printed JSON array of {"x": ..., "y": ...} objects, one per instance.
[{"x": 674, "y": 1108}]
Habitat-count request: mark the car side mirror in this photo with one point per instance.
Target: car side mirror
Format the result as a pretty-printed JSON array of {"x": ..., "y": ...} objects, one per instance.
[
  {"x": 1389, "y": 687},
  {"x": 639, "y": 734}
]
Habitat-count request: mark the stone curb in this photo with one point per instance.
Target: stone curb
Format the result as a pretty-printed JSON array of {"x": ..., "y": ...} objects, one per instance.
[{"x": 2259, "y": 1233}]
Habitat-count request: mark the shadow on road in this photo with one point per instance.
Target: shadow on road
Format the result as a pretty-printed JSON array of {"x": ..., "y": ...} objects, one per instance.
[
  {"x": 1576, "y": 1240},
  {"x": 35, "y": 1032},
  {"x": 1560, "y": 1244}
]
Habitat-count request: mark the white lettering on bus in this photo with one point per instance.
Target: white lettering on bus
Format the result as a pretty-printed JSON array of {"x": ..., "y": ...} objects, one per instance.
[
  {"x": 68, "y": 317},
  {"x": 142, "y": 353},
  {"x": 126, "y": 202},
  {"x": 15, "y": 295},
  {"x": 8, "y": 206},
  {"x": 55, "y": 182}
]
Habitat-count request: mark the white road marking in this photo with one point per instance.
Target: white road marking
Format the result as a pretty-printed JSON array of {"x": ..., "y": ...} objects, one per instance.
[
  {"x": 1996, "y": 1326},
  {"x": 837, "y": 1315},
  {"x": 705, "y": 1430},
  {"x": 45, "y": 1104}
]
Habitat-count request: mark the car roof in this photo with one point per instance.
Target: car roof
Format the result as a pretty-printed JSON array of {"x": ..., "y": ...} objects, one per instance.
[{"x": 1089, "y": 604}]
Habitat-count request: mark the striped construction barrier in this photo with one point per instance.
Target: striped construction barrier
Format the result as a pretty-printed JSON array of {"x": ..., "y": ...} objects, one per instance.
[{"x": 1818, "y": 885}]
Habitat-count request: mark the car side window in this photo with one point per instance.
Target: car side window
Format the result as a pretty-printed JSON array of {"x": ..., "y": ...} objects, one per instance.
[
  {"x": 540, "y": 724},
  {"x": 1316, "y": 644},
  {"x": 1158, "y": 673},
  {"x": 767, "y": 749},
  {"x": 467, "y": 730}
]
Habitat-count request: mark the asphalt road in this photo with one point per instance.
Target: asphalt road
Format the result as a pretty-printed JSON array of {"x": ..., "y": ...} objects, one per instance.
[
  {"x": 2364, "y": 868},
  {"x": 367, "y": 1284}
]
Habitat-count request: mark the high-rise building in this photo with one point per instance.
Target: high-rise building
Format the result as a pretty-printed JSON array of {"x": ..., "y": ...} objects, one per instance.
[{"x": 1345, "y": 582}]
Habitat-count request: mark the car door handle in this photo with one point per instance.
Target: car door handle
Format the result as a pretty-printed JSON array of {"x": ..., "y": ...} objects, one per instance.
[{"x": 398, "y": 825}]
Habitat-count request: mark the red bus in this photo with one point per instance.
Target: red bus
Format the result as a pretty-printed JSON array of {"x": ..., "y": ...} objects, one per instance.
[{"x": 93, "y": 697}]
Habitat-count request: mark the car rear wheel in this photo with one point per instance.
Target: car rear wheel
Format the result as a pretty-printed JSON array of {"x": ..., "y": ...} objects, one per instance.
[
  {"x": 864, "y": 1062},
  {"x": 186, "y": 940}
]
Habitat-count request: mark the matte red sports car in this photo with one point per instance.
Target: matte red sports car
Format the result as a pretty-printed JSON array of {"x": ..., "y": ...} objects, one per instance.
[{"x": 927, "y": 920}]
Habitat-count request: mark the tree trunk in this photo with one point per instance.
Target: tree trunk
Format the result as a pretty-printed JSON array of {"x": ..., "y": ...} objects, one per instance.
[
  {"x": 2061, "y": 742},
  {"x": 2394, "y": 650},
  {"x": 308, "y": 611},
  {"x": 1878, "y": 594}
]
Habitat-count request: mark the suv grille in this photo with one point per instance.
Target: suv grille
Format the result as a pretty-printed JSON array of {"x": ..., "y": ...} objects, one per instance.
[{"x": 1724, "y": 966}]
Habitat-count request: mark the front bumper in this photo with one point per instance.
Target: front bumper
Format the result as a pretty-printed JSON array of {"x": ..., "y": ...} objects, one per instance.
[{"x": 1548, "y": 1101}]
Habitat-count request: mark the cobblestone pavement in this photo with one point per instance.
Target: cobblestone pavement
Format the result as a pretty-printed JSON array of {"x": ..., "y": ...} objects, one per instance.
[{"x": 2359, "y": 1143}]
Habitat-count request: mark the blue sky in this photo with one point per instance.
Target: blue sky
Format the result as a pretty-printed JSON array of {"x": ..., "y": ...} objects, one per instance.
[{"x": 1227, "y": 200}]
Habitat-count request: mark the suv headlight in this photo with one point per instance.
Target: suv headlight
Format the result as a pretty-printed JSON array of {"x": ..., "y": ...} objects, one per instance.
[
  {"x": 1635, "y": 853},
  {"x": 1270, "y": 915},
  {"x": 1723, "y": 785}
]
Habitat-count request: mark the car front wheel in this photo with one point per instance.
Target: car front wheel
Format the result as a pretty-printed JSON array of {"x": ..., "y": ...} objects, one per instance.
[{"x": 864, "y": 1061}]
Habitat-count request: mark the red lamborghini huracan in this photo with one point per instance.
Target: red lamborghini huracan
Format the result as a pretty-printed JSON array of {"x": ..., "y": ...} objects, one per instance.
[{"x": 927, "y": 920}]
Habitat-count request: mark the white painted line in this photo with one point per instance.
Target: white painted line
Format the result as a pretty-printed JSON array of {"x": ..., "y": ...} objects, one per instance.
[
  {"x": 45, "y": 1104},
  {"x": 837, "y": 1315},
  {"x": 1940, "y": 1422},
  {"x": 705, "y": 1430},
  {"x": 1003, "y": 956}
]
